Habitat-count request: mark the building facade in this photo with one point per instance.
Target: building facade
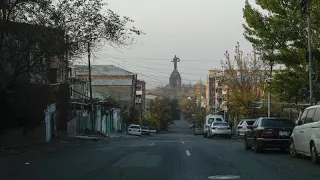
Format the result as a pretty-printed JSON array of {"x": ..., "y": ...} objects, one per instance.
[
  {"x": 110, "y": 81},
  {"x": 141, "y": 95},
  {"x": 214, "y": 90}
]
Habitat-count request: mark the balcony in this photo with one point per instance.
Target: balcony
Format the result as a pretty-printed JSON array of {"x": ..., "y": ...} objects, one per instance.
[{"x": 138, "y": 101}]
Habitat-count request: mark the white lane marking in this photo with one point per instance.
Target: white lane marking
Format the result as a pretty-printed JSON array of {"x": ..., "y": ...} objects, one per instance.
[
  {"x": 151, "y": 144},
  {"x": 182, "y": 142},
  {"x": 188, "y": 153},
  {"x": 224, "y": 177}
]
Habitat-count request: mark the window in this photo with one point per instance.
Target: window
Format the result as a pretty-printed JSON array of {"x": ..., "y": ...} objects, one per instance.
[
  {"x": 317, "y": 115},
  {"x": 240, "y": 122},
  {"x": 220, "y": 124},
  {"x": 134, "y": 127},
  {"x": 255, "y": 124},
  {"x": 71, "y": 91},
  {"x": 210, "y": 120},
  {"x": 310, "y": 115},
  {"x": 219, "y": 119},
  {"x": 277, "y": 122},
  {"x": 304, "y": 115},
  {"x": 250, "y": 122}
]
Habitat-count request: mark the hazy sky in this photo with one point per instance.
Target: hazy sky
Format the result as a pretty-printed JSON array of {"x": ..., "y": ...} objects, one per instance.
[{"x": 197, "y": 31}]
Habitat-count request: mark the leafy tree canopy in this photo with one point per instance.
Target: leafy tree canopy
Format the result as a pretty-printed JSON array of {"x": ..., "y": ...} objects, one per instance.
[{"x": 278, "y": 30}]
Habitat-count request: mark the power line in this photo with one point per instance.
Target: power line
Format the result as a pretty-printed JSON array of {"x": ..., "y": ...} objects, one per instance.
[
  {"x": 159, "y": 69},
  {"x": 148, "y": 61},
  {"x": 166, "y": 59}
]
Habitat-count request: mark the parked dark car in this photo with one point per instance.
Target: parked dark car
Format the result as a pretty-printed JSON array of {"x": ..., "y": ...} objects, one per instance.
[{"x": 273, "y": 132}]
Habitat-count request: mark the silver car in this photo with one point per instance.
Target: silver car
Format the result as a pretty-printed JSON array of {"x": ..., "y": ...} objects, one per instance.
[
  {"x": 243, "y": 126},
  {"x": 221, "y": 129}
]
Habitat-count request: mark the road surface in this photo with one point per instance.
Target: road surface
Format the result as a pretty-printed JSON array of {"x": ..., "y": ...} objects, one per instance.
[{"x": 173, "y": 155}]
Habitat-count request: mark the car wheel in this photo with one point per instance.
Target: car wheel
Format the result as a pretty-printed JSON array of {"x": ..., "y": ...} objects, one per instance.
[
  {"x": 256, "y": 147},
  {"x": 246, "y": 145},
  {"x": 314, "y": 154},
  {"x": 292, "y": 149}
]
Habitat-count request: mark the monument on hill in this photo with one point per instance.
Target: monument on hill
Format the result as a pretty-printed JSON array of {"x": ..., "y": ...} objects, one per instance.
[{"x": 175, "y": 79}]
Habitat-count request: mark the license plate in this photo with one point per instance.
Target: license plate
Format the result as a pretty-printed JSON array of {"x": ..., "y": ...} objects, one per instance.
[{"x": 284, "y": 133}]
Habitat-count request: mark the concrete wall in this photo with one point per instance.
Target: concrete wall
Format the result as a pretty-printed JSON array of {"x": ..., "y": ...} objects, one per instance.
[
  {"x": 72, "y": 127},
  {"x": 18, "y": 137}
]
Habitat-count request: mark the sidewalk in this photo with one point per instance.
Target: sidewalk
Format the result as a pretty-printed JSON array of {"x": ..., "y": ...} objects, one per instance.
[{"x": 54, "y": 145}]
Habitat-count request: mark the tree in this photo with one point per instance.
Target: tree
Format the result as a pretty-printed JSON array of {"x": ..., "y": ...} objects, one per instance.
[
  {"x": 76, "y": 22},
  {"x": 188, "y": 107},
  {"x": 37, "y": 34},
  {"x": 165, "y": 109},
  {"x": 152, "y": 120},
  {"x": 242, "y": 80},
  {"x": 290, "y": 85},
  {"x": 280, "y": 34}
]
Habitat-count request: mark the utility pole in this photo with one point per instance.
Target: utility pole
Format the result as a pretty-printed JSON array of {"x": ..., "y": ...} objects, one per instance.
[
  {"x": 305, "y": 5},
  {"x": 269, "y": 91},
  {"x": 90, "y": 87}
]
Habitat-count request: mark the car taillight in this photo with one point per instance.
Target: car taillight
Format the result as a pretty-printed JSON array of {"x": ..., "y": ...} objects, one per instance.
[
  {"x": 267, "y": 134},
  {"x": 213, "y": 128},
  {"x": 240, "y": 127}
]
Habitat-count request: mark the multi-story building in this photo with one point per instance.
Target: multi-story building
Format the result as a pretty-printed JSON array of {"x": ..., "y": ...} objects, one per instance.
[{"x": 214, "y": 91}]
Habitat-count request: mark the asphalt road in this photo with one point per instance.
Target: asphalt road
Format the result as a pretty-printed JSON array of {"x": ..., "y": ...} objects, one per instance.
[{"x": 173, "y": 155}]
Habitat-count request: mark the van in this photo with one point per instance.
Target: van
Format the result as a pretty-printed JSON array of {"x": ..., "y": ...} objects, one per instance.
[
  {"x": 305, "y": 137},
  {"x": 209, "y": 120}
]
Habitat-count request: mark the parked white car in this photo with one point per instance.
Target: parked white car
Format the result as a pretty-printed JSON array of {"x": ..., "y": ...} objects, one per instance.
[
  {"x": 135, "y": 129},
  {"x": 221, "y": 129},
  {"x": 305, "y": 138},
  {"x": 243, "y": 126},
  {"x": 208, "y": 122}
]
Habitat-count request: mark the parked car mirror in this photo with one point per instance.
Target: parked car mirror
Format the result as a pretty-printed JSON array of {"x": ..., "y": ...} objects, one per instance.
[{"x": 300, "y": 123}]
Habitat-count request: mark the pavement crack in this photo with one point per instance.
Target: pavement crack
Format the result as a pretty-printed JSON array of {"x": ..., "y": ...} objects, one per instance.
[{"x": 233, "y": 167}]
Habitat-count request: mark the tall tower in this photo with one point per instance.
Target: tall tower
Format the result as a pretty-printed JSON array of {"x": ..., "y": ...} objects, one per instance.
[{"x": 175, "y": 79}]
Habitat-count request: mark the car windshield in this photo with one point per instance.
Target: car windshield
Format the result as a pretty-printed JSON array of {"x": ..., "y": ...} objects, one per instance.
[
  {"x": 277, "y": 122},
  {"x": 220, "y": 124}
]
